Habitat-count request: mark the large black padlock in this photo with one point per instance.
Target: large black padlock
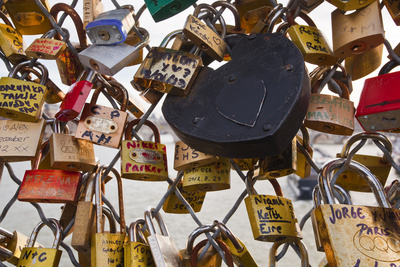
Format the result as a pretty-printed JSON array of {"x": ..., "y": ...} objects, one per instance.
[{"x": 250, "y": 107}]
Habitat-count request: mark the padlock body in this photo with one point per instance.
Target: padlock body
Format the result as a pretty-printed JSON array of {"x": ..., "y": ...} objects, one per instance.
[
  {"x": 303, "y": 166},
  {"x": 50, "y": 186},
  {"x": 69, "y": 67},
  {"x": 74, "y": 101},
  {"x": 84, "y": 227},
  {"x": 137, "y": 254},
  {"x": 359, "y": 66},
  {"x": 143, "y": 160},
  {"x": 102, "y": 125},
  {"x": 378, "y": 107},
  {"x": 394, "y": 10},
  {"x": 312, "y": 45},
  {"x": 348, "y": 234},
  {"x": 71, "y": 154},
  {"x": 240, "y": 257},
  {"x": 20, "y": 140},
  {"x": 357, "y": 32},
  {"x": 164, "y": 250},
  {"x": 108, "y": 249},
  {"x": 377, "y": 165},
  {"x": 164, "y": 9},
  {"x": 110, "y": 27},
  {"x": 21, "y": 100},
  {"x": 330, "y": 114},
  {"x": 45, "y": 48},
  {"x": 272, "y": 218},
  {"x": 211, "y": 177},
  {"x": 91, "y": 9},
  {"x": 168, "y": 71},
  {"x": 35, "y": 257},
  {"x": 11, "y": 44},
  {"x": 193, "y": 197},
  {"x": 27, "y": 16},
  {"x": 187, "y": 157},
  {"x": 245, "y": 164},
  {"x": 350, "y": 5},
  {"x": 15, "y": 245},
  {"x": 133, "y": 39}
]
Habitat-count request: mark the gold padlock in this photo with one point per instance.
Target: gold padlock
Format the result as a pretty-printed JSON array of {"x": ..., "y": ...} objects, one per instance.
[
  {"x": 211, "y": 177},
  {"x": 303, "y": 165},
  {"x": 359, "y": 66},
  {"x": 245, "y": 164},
  {"x": 394, "y": 10},
  {"x": 303, "y": 253},
  {"x": 271, "y": 217},
  {"x": 186, "y": 157},
  {"x": 357, "y": 32},
  {"x": 379, "y": 166},
  {"x": 251, "y": 17},
  {"x": 46, "y": 47},
  {"x": 351, "y": 4}
]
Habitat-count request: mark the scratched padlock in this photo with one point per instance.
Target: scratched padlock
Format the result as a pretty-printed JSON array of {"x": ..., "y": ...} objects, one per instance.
[{"x": 46, "y": 47}]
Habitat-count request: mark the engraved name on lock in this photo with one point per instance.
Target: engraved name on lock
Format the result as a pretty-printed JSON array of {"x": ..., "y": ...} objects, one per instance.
[{"x": 100, "y": 124}]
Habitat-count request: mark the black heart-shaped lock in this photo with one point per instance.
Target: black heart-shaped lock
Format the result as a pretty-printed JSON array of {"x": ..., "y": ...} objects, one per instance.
[{"x": 251, "y": 106}]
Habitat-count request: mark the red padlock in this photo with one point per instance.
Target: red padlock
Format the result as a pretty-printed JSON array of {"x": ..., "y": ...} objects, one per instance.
[
  {"x": 75, "y": 99},
  {"x": 49, "y": 186},
  {"x": 379, "y": 105}
]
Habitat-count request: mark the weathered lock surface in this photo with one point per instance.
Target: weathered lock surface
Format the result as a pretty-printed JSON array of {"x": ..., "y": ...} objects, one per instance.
[
  {"x": 11, "y": 42},
  {"x": 45, "y": 48},
  {"x": 186, "y": 157},
  {"x": 236, "y": 100},
  {"x": 359, "y": 66},
  {"x": 394, "y": 10}
]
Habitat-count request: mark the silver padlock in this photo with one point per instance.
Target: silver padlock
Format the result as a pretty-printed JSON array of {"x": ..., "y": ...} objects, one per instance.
[
  {"x": 163, "y": 248},
  {"x": 110, "y": 59},
  {"x": 110, "y": 27}
]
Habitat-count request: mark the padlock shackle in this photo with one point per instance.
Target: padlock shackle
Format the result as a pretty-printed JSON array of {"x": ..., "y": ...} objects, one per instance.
[
  {"x": 275, "y": 15},
  {"x": 153, "y": 127},
  {"x": 345, "y": 89},
  {"x": 233, "y": 9},
  {"x": 303, "y": 252},
  {"x": 6, "y": 233},
  {"x": 6, "y": 20},
  {"x": 221, "y": 244},
  {"x": 108, "y": 213},
  {"x": 148, "y": 214},
  {"x": 228, "y": 233},
  {"x": 135, "y": 231},
  {"x": 390, "y": 65},
  {"x": 305, "y": 136},
  {"x": 44, "y": 72},
  {"x": 366, "y": 135},
  {"x": 40, "y": 155},
  {"x": 116, "y": 86},
  {"x": 6, "y": 253},
  {"x": 90, "y": 185},
  {"x": 55, "y": 9},
  {"x": 207, "y": 228},
  {"x": 326, "y": 174},
  {"x": 338, "y": 189},
  {"x": 169, "y": 37},
  {"x": 197, "y": 11},
  {"x": 58, "y": 234}
]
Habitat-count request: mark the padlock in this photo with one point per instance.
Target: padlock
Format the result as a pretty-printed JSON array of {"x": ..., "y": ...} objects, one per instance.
[
  {"x": 164, "y": 9},
  {"x": 379, "y": 166},
  {"x": 241, "y": 256},
  {"x": 68, "y": 63},
  {"x": 162, "y": 246},
  {"x": 20, "y": 140},
  {"x": 28, "y": 18},
  {"x": 49, "y": 186},
  {"x": 22, "y": 100},
  {"x": 194, "y": 197},
  {"x": 245, "y": 164},
  {"x": 151, "y": 96},
  {"x": 14, "y": 243},
  {"x": 303, "y": 165},
  {"x": 393, "y": 193},
  {"x": 71, "y": 154},
  {"x": 203, "y": 36},
  {"x": 330, "y": 114},
  {"x": 269, "y": 21},
  {"x": 363, "y": 64},
  {"x": 312, "y": 44},
  {"x": 271, "y": 217},
  {"x": 91, "y": 9},
  {"x": 279, "y": 165},
  {"x": 143, "y": 160},
  {"x": 251, "y": 17},
  {"x": 212, "y": 177},
  {"x": 39, "y": 256},
  {"x": 137, "y": 251},
  {"x": 186, "y": 157},
  {"x": 46, "y": 47},
  {"x": 378, "y": 106},
  {"x": 199, "y": 247},
  {"x": 303, "y": 253},
  {"x": 103, "y": 125},
  {"x": 110, "y": 59},
  {"x": 368, "y": 235},
  {"x": 351, "y": 4},
  {"x": 221, "y": 117},
  {"x": 309, "y": 5},
  {"x": 75, "y": 98},
  {"x": 357, "y": 32},
  {"x": 11, "y": 42},
  {"x": 108, "y": 248},
  {"x": 246, "y": 6},
  {"x": 210, "y": 258},
  {"x": 110, "y": 27},
  {"x": 167, "y": 70},
  {"x": 394, "y": 10}
]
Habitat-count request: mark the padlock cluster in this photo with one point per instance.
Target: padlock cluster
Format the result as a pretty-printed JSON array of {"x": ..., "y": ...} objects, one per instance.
[{"x": 251, "y": 115}]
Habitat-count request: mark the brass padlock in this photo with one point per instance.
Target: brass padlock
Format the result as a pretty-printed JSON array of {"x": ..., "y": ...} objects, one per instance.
[
  {"x": 91, "y": 9},
  {"x": 271, "y": 217},
  {"x": 330, "y": 114},
  {"x": 46, "y": 47},
  {"x": 28, "y": 17},
  {"x": 186, "y": 157},
  {"x": 143, "y": 160},
  {"x": 394, "y": 10},
  {"x": 212, "y": 177},
  {"x": 251, "y": 17},
  {"x": 245, "y": 164},
  {"x": 34, "y": 256},
  {"x": 359, "y": 66},
  {"x": 103, "y": 125},
  {"x": 303, "y": 165},
  {"x": 246, "y": 6},
  {"x": 357, "y": 32},
  {"x": 199, "y": 247},
  {"x": 379, "y": 166},
  {"x": 351, "y": 4},
  {"x": 23, "y": 100},
  {"x": 299, "y": 244}
]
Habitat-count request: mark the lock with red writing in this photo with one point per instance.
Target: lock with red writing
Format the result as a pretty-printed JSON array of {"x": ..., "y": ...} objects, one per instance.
[{"x": 143, "y": 160}]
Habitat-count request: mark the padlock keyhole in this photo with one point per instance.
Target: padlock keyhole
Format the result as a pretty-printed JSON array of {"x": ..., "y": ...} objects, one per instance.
[{"x": 104, "y": 35}]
